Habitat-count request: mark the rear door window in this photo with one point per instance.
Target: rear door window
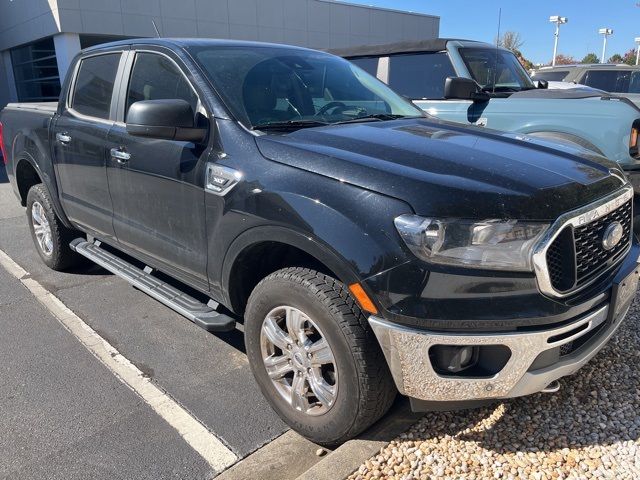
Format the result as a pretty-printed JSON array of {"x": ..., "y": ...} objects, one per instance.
[
  {"x": 421, "y": 75},
  {"x": 155, "y": 77},
  {"x": 368, "y": 64},
  {"x": 617, "y": 81},
  {"x": 94, "y": 85}
]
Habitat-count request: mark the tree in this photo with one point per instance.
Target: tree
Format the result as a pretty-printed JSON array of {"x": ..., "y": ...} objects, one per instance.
[
  {"x": 511, "y": 41},
  {"x": 565, "y": 60},
  {"x": 616, "y": 58},
  {"x": 630, "y": 57},
  {"x": 590, "y": 58},
  {"x": 525, "y": 62}
]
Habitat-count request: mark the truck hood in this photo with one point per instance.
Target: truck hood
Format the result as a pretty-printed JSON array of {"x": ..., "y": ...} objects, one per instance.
[
  {"x": 578, "y": 92},
  {"x": 445, "y": 170}
]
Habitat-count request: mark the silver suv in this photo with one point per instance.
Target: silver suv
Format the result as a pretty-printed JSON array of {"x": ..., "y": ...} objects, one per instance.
[{"x": 623, "y": 80}]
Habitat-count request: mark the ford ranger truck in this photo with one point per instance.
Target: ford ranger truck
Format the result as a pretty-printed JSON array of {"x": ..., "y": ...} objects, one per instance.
[
  {"x": 475, "y": 83},
  {"x": 367, "y": 248}
]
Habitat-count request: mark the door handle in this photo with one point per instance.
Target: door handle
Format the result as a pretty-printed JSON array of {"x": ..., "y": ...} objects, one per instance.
[
  {"x": 120, "y": 155},
  {"x": 63, "y": 138}
]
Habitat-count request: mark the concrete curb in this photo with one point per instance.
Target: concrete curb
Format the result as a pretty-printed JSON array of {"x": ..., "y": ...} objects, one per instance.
[
  {"x": 346, "y": 459},
  {"x": 284, "y": 458}
]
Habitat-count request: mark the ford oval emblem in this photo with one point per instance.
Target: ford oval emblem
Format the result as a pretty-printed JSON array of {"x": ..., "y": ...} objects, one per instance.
[{"x": 612, "y": 235}]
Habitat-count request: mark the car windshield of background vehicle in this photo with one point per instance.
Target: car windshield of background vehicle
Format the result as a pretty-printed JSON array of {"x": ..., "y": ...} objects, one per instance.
[
  {"x": 496, "y": 69},
  {"x": 551, "y": 76},
  {"x": 615, "y": 81},
  {"x": 292, "y": 88}
]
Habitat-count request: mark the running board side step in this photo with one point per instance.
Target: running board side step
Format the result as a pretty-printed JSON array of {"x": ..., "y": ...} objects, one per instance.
[{"x": 199, "y": 313}]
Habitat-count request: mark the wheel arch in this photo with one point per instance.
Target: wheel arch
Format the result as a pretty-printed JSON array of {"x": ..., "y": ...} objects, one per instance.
[
  {"x": 27, "y": 174},
  {"x": 261, "y": 251},
  {"x": 566, "y": 137}
]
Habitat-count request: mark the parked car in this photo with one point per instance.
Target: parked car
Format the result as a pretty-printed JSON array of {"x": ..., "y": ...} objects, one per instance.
[
  {"x": 621, "y": 80},
  {"x": 475, "y": 83},
  {"x": 367, "y": 248},
  {"x": 553, "y": 85}
]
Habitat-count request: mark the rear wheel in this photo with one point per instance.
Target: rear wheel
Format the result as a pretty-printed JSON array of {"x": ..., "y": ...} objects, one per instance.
[
  {"x": 49, "y": 234},
  {"x": 315, "y": 357}
]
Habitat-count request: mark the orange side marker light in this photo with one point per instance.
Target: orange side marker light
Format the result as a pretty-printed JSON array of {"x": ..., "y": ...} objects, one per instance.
[{"x": 363, "y": 299}]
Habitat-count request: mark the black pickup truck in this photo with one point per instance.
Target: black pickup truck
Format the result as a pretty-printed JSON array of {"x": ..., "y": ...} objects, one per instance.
[{"x": 368, "y": 248}]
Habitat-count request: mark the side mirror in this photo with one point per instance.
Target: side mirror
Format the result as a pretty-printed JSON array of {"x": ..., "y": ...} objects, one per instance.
[
  {"x": 164, "y": 119},
  {"x": 461, "y": 88},
  {"x": 543, "y": 84}
]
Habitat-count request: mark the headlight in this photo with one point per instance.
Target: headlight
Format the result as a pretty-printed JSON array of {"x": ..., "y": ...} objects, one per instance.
[{"x": 490, "y": 244}]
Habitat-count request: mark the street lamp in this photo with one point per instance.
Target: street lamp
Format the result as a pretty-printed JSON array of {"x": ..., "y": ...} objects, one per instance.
[
  {"x": 558, "y": 20},
  {"x": 637, "y": 50},
  {"x": 605, "y": 32}
]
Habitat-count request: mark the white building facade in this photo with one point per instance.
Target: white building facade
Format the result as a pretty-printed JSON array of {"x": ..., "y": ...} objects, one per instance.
[{"x": 39, "y": 38}]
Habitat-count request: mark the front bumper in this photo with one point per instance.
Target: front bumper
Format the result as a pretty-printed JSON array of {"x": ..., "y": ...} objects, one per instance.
[{"x": 528, "y": 369}]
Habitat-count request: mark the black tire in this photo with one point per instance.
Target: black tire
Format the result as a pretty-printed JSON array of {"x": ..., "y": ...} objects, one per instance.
[
  {"x": 61, "y": 257},
  {"x": 365, "y": 386}
]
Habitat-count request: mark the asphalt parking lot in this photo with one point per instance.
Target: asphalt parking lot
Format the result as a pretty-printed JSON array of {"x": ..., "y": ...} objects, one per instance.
[{"x": 64, "y": 415}]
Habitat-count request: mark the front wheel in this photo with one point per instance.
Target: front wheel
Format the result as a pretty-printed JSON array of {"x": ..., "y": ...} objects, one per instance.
[{"x": 315, "y": 357}]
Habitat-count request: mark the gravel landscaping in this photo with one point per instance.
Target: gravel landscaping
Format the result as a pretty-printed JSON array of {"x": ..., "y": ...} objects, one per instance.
[{"x": 589, "y": 429}]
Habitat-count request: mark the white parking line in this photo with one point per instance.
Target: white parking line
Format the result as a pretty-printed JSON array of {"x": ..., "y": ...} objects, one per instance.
[{"x": 217, "y": 455}]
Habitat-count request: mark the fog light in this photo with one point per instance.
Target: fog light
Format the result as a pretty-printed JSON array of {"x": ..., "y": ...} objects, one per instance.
[{"x": 448, "y": 359}]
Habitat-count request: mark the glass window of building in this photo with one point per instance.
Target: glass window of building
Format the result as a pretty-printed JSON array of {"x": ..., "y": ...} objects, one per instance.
[{"x": 36, "y": 71}]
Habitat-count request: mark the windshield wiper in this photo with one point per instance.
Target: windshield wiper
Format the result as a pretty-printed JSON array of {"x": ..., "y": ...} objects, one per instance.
[
  {"x": 376, "y": 117},
  {"x": 289, "y": 125}
]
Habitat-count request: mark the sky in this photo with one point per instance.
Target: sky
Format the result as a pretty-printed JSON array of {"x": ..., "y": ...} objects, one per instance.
[{"x": 478, "y": 20}]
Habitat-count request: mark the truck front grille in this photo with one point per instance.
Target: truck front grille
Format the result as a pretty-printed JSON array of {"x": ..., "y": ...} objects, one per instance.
[
  {"x": 591, "y": 256},
  {"x": 577, "y": 255}
]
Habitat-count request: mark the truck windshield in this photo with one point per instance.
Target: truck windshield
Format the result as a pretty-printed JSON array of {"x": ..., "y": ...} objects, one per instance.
[
  {"x": 497, "y": 70},
  {"x": 288, "y": 88}
]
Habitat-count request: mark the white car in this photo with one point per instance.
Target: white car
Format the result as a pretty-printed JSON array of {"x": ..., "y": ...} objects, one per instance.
[{"x": 555, "y": 85}]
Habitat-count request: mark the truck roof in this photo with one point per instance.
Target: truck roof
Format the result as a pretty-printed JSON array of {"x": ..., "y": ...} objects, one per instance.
[
  {"x": 188, "y": 42},
  {"x": 431, "y": 45}
]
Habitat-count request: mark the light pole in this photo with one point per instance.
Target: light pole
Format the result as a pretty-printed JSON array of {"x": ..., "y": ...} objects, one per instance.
[
  {"x": 637, "y": 50},
  {"x": 605, "y": 32},
  {"x": 558, "y": 20}
]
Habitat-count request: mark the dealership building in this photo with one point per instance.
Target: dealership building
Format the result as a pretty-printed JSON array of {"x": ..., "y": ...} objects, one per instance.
[{"x": 39, "y": 38}]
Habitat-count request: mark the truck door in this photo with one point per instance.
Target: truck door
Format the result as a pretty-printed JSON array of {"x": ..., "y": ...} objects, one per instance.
[
  {"x": 156, "y": 185},
  {"x": 79, "y": 137}
]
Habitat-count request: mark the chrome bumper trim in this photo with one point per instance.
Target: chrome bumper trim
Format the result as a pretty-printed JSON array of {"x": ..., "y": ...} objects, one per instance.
[{"x": 407, "y": 353}]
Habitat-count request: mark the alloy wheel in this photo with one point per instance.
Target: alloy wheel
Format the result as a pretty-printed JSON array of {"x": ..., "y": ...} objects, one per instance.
[
  {"x": 299, "y": 360},
  {"x": 41, "y": 228}
]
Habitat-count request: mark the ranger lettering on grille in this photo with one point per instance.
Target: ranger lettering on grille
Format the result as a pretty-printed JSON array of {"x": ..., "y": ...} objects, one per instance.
[{"x": 603, "y": 209}]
